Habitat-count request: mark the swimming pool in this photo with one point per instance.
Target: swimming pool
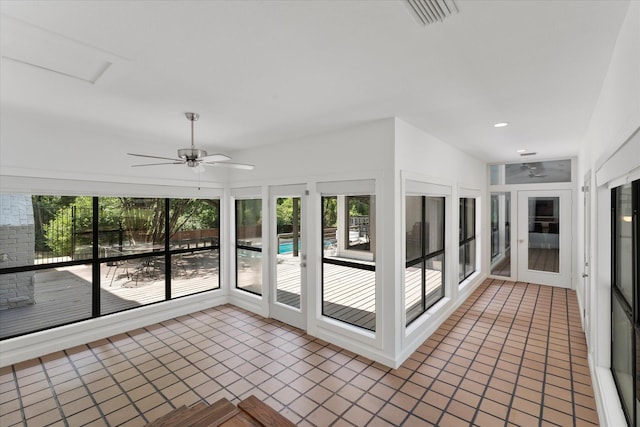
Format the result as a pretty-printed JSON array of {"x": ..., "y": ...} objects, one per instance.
[{"x": 287, "y": 247}]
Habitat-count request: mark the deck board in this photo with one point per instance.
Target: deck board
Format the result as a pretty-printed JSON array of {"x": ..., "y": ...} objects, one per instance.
[{"x": 63, "y": 295}]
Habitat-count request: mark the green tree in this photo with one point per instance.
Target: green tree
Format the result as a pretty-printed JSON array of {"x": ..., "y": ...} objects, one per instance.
[
  {"x": 330, "y": 211},
  {"x": 70, "y": 227}
]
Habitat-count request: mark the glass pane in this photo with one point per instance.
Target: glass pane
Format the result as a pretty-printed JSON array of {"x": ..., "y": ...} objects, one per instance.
[
  {"x": 131, "y": 283},
  {"x": 470, "y": 218},
  {"x": 249, "y": 245},
  {"x": 538, "y": 172},
  {"x": 621, "y": 353},
  {"x": 194, "y": 223},
  {"x": 434, "y": 227},
  {"x": 623, "y": 242},
  {"x": 461, "y": 221},
  {"x": 495, "y": 226},
  {"x": 500, "y": 234},
  {"x": 330, "y": 226},
  {"x": 461, "y": 259},
  {"x": 413, "y": 291},
  {"x": 249, "y": 222},
  {"x": 544, "y": 237},
  {"x": 357, "y": 235},
  {"x": 496, "y": 174},
  {"x": 46, "y": 228},
  {"x": 434, "y": 280},
  {"x": 130, "y": 225},
  {"x": 63, "y": 295},
  {"x": 348, "y": 289},
  {"x": 349, "y": 295},
  {"x": 413, "y": 227},
  {"x": 289, "y": 242},
  {"x": 249, "y": 264},
  {"x": 193, "y": 272},
  {"x": 470, "y": 258},
  {"x": 637, "y": 363}
]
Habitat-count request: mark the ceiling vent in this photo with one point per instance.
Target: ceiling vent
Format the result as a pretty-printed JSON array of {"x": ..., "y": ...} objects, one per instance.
[
  {"x": 432, "y": 11},
  {"x": 528, "y": 154}
]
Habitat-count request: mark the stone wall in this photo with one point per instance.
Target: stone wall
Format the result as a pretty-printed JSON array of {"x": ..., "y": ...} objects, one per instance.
[{"x": 17, "y": 248}]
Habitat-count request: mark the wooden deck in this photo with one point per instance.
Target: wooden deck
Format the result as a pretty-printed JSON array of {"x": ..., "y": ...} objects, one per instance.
[{"x": 63, "y": 295}]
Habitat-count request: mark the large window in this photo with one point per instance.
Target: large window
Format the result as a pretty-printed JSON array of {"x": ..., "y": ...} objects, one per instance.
[
  {"x": 348, "y": 261},
  {"x": 249, "y": 245},
  {"x": 467, "y": 238},
  {"x": 424, "y": 269},
  {"x": 70, "y": 258},
  {"x": 625, "y": 298}
]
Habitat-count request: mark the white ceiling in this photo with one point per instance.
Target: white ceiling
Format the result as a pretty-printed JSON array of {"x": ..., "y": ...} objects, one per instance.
[{"x": 260, "y": 72}]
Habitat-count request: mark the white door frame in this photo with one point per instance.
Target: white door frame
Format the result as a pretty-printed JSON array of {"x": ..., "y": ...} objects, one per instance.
[
  {"x": 586, "y": 264},
  {"x": 524, "y": 274},
  {"x": 283, "y": 312}
]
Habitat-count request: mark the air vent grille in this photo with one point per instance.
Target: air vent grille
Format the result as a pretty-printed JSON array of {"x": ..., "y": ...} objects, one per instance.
[
  {"x": 528, "y": 154},
  {"x": 432, "y": 11}
]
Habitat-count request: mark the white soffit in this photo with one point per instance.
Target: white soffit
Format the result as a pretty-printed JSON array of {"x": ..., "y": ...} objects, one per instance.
[{"x": 36, "y": 47}]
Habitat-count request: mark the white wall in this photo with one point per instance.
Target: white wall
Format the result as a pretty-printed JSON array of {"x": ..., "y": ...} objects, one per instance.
[
  {"x": 422, "y": 157},
  {"x": 361, "y": 152},
  {"x": 615, "y": 119},
  {"x": 366, "y": 147},
  {"x": 37, "y": 145}
]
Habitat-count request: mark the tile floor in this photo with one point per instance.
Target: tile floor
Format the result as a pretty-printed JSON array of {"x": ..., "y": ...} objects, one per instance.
[{"x": 513, "y": 354}]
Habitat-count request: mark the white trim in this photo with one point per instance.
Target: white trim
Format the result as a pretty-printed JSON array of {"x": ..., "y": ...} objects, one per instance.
[{"x": 623, "y": 161}]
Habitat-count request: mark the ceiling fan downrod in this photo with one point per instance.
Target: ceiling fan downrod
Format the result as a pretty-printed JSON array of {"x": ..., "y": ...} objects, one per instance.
[{"x": 191, "y": 154}]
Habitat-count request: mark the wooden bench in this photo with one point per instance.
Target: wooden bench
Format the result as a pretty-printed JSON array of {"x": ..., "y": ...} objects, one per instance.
[{"x": 251, "y": 412}]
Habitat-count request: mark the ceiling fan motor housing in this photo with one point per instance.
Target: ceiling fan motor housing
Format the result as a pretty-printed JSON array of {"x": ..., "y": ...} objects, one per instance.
[{"x": 191, "y": 154}]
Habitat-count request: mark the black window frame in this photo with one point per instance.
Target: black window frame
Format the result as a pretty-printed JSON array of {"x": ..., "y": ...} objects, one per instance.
[
  {"x": 245, "y": 247},
  {"x": 465, "y": 240},
  {"x": 631, "y": 310},
  {"x": 339, "y": 262},
  {"x": 425, "y": 256},
  {"x": 96, "y": 260}
]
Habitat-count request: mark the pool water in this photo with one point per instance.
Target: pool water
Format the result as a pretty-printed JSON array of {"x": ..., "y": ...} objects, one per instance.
[{"x": 287, "y": 247}]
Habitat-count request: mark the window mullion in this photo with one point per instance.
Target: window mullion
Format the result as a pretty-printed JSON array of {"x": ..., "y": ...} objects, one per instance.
[{"x": 95, "y": 262}]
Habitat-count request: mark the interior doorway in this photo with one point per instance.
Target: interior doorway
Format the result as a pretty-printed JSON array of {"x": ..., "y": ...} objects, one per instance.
[{"x": 544, "y": 237}]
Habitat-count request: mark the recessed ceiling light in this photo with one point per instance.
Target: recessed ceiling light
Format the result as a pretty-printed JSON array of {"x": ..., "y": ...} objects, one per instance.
[
  {"x": 521, "y": 151},
  {"x": 501, "y": 125}
]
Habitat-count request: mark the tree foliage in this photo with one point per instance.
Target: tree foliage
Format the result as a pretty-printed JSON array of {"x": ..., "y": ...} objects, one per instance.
[{"x": 132, "y": 220}]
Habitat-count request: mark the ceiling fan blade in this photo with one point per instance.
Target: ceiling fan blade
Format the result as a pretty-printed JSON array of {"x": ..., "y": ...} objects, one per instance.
[
  {"x": 157, "y": 164},
  {"x": 154, "y": 157},
  {"x": 230, "y": 165},
  {"x": 215, "y": 158}
]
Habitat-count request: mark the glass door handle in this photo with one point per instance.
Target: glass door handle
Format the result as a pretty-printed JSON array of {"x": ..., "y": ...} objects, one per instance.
[{"x": 584, "y": 275}]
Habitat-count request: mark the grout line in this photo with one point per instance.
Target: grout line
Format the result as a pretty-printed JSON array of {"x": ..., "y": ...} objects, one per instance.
[
  {"x": 524, "y": 346},
  {"x": 55, "y": 395}
]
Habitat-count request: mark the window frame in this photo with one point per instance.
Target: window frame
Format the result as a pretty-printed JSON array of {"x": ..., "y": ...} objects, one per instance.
[
  {"x": 425, "y": 255},
  {"x": 95, "y": 261},
  {"x": 631, "y": 309},
  {"x": 465, "y": 240}
]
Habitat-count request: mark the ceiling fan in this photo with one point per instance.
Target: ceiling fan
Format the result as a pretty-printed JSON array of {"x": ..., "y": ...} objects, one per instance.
[
  {"x": 194, "y": 157},
  {"x": 533, "y": 170}
]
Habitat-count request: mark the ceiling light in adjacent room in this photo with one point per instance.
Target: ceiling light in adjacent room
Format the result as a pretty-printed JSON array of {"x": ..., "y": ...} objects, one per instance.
[{"x": 521, "y": 151}]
